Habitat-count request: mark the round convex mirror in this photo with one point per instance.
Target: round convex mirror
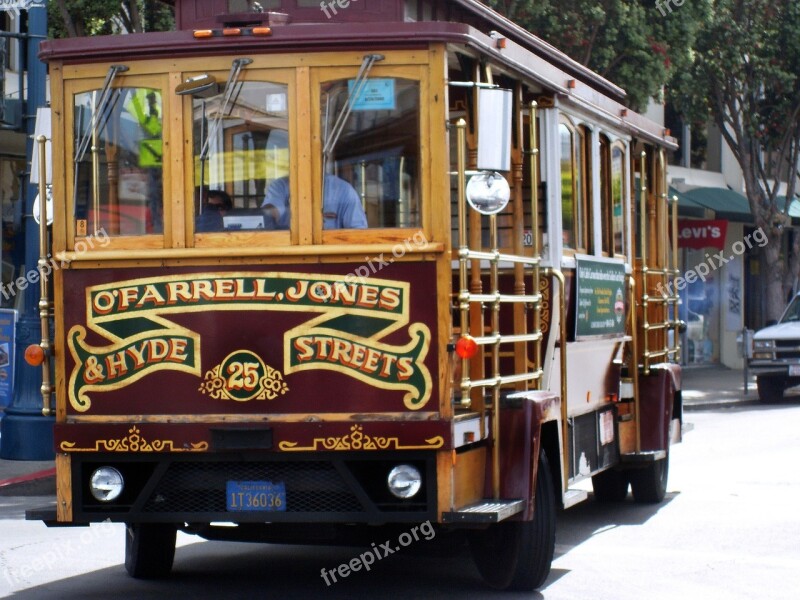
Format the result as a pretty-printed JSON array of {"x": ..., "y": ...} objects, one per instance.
[{"x": 488, "y": 193}]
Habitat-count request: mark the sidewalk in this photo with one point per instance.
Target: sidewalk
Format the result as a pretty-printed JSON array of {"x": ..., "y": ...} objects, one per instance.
[
  {"x": 703, "y": 387},
  {"x": 709, "y": 386}
]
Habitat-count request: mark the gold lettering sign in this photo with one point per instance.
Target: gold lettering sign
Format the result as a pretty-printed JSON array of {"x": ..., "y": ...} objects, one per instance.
[{"x": 352, "y": 318}]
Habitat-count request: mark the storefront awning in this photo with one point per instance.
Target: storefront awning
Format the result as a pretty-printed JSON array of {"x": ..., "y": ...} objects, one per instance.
[
  {"x": 688, "y": 207},
  {"x": 725, "y": 203}
]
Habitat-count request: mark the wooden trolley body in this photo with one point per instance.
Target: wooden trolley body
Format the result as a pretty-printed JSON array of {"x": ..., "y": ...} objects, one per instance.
[{"x": 299, "y": 364}]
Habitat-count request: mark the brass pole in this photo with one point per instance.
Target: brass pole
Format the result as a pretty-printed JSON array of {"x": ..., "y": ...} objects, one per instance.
[
  {"x": 463, "y": 276},
  {"x": 535, "y": 288},
  {"x": 44, "y": 302},
  {"x": 493, "y": 276},
  {"x": 644, "y": 242}
]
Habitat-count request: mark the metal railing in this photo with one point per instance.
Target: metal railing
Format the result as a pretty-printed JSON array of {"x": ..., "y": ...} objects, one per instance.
[
  {"x": 670, "y": 349},
  {"x": 494, "y": 299}
]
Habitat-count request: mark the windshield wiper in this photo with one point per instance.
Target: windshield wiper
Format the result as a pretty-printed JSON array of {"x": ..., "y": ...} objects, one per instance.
[
  {"x": 229, "y": 93},
  {"x": 102, "y": 110},
  {"x": 341, "y": 118}
]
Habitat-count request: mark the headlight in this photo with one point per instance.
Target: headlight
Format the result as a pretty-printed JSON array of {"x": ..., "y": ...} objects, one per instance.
[
  {"x": 404, "y": 481},
  {"x": 106, "y": 484},
  {"x": 764, "y": 345}
]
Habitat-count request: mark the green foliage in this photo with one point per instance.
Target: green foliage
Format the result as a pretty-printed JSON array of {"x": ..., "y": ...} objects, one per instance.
[
  {"x": 630, "y": 43},
  {"x": 745, "y": 75},
  {"x": 74, "y": 18}
]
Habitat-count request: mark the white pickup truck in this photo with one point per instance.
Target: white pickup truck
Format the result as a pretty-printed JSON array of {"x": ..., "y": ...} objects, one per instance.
[{"x": 776, "y": 355}]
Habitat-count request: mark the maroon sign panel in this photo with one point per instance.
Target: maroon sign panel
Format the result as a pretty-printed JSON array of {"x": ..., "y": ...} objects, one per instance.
[{"x": 282, "y": 339}]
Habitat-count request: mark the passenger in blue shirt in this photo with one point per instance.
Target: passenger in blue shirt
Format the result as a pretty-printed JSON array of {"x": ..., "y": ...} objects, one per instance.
[{"x": 341, "y": 204}]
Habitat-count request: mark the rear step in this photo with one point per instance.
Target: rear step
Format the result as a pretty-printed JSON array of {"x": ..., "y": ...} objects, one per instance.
[{"x": 487, "y": 511}]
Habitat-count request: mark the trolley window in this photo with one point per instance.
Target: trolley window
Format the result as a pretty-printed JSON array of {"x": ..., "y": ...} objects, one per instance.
[
  {"x": 241, "y": 158},
  {"x": 117, "y": 161},
  {"x": 370, "y": 132}
]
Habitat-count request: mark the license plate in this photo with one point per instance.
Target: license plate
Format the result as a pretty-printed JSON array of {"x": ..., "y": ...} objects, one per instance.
[
  {"x": 255, "y": 495},
  {"x": 794, "y": 370}
]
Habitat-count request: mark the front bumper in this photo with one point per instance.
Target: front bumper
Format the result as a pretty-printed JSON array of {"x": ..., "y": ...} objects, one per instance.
[
  {"x": 777, "y": 368},
  {"x": 339, "y": 487}
]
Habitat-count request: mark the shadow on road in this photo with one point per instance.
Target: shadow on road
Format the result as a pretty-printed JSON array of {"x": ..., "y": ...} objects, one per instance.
[{"x": 440, "y": 568}]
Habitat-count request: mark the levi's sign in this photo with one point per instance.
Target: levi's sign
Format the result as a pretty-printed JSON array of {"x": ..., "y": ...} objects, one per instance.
[
  {"x": 347, "y": 323},
  {"x": 701, "y": 234}
]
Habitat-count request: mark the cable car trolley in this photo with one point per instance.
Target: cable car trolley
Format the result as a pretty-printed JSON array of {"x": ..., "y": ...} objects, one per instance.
[{"x": 327, "y": 272}]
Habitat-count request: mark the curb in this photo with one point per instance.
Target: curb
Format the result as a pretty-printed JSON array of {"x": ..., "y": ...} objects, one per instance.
[{"x": 6, "y": 484}]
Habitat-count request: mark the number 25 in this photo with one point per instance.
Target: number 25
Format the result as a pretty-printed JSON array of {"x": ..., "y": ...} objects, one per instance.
[{"x": 242, "y": 375}]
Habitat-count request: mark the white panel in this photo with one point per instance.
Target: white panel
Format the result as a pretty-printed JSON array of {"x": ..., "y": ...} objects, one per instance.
[{"x": 494, "y": 129}]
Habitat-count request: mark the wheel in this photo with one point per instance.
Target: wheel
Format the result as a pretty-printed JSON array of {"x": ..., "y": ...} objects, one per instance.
[
  {"x": 649, "y": 484},
  {"x": 770, "y": 389},
  {"x": 610, "y": 486},
  {"x": 516, "y": 555},
  {"x": 149, "y": 549}
]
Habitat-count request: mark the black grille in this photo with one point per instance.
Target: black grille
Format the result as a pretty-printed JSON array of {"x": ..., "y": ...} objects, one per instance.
[
  {"x": 787, "y": 349},
  {"x": 199, "y": 487},
  {"x": 788, "y": 344}
]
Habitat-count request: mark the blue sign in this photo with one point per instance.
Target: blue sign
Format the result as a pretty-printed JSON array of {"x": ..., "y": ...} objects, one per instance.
[
  {"x": 376, "y": 94},
  {"x": 8, "y": 322}
]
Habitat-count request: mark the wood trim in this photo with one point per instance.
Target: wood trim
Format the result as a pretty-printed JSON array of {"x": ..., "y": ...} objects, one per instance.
[
  {"x": 303, "y": 230},
  {"x": 437, "y": 185},
  {"x": 469, "y": 476},
  {"x": 63, "y": 488},
  {"x": 201, "y": 64},
  {"x": 358, "y": 250},
  {"x": 255, "y": 418}
]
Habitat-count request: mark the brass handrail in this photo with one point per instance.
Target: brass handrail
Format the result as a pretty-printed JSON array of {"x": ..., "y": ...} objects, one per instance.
[
  {"x": 44, "y": 296},
  {"x": 469, "y": 298}
]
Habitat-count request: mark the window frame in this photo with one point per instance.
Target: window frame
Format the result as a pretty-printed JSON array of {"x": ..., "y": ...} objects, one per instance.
[
  {"x": 581, "y": 205},
  {"x": 285, "y": 75},
  {"x": 74, "y": 87},
  {"x": 321, "y": 75}
]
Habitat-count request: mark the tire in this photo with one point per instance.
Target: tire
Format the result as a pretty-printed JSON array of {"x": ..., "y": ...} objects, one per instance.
[
  {"x": 770, "y": 388},
  {"x": 516, "y": 555},
  {"x": 610, "y": 486},
  {"x": 149, "y": 549},
  {"x": 649, "y": 484}
]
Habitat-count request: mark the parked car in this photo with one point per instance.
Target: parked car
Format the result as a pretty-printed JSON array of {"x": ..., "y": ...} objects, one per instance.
[{"x": 776, "y": 355}]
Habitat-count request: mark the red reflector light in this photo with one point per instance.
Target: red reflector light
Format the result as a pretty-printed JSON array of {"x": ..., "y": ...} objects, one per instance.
[
  {"x": 34, "y": 355},
  {"x": 466, "y": 347},
  {"x": 232, "y": 31},
  {"x": 262, "y": 31},
  {"x": 203, "y": 33}
]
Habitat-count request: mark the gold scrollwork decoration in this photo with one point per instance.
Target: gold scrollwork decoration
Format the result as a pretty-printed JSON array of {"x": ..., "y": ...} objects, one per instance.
[
  {"x": 134, "y": 442},
  {"x": 243, "y": 376},
  {"x": 358, "y": 440}
]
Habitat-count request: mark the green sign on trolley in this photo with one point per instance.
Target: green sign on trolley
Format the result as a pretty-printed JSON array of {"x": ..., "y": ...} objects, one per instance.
[{"x": 600, "y": 286}]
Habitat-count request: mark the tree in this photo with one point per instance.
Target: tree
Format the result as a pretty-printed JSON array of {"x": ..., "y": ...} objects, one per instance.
[
  {"x": 745, "y": 76},
  {"x": 628, "y": 42},
  {"x": 77, "y": 18}
]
